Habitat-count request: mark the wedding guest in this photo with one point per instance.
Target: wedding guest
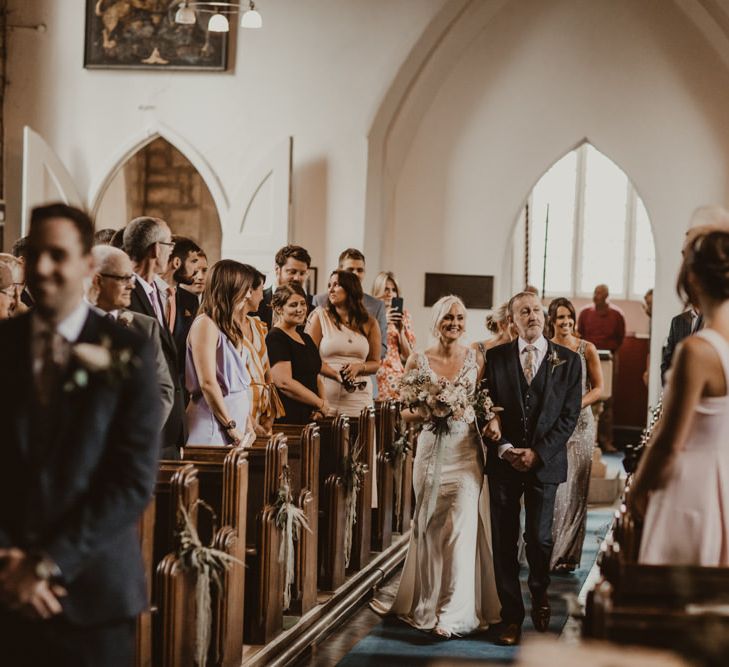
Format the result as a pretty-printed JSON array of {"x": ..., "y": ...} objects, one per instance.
[
  {"x": 678, "y": 489},
  {"x": 499, "y": 324},
  {"x": 148, "y": 242},
  {"x": 603, "y": 324},
  {"x": 294, "y": 357},
  {"x": 7, "y": 293},
  {"x": 109, "y": 293},
  {"x": 264, "y": 398},
  {"x": 400, "y": 337},
  {"x": 682, "y": 326},
  {"x": 292, "y": 266},
  {"x": 182, "y": 268},
  {"x": 198, "y": 284},
  {"x": 353, "y": 261},
  {"x": 348, "y": 339},
  {"x": 79, "y": 463},
  {"x": 104, "y": 236},
  {"x": 570, "y": 503},
  {"x": 215, "y": 371},
  {"x": 447, "y": 586},
  {"x": 17, "y": 273},
  {"x": 648, "y": 310}
]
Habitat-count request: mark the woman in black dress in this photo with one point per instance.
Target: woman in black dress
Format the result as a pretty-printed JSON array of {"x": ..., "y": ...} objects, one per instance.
[{"x": 294, "y": 358}]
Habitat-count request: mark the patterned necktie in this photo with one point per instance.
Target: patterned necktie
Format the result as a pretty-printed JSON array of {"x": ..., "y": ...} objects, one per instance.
[
  {"x": 171, "y": 309},
  {"x": 51, "y": 364},
  {"x": 531, "y": 357}
]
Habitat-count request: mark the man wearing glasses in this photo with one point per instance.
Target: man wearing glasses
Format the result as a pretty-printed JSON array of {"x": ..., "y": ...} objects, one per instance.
[
  {"x": 110, "y": 294},
  {"x": 148, "y": 242},
  {"x": 7, "y": 293}
]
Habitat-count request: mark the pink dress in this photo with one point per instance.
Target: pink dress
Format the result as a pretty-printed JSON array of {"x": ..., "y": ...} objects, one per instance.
[{"x": 687, "y": 522}]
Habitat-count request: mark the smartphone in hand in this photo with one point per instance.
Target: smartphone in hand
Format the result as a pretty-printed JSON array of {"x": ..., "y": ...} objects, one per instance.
[{"x": 397, "y": 304}]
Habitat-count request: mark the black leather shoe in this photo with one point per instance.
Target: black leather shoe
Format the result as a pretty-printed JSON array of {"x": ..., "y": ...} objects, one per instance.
[
  {"x": 541, "y": 613},
  {"x": 509, "y": 635}
]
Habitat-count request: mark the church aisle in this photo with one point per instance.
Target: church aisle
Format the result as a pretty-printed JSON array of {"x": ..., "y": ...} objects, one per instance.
[{"x": 367, "y": 639}]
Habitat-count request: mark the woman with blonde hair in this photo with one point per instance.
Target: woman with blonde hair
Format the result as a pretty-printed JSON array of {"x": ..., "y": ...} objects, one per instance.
[
  {"x": 499, "y": 324},
  {"x": 215, "y": 366},
  {"x": 447, "y": 585},
  {"x": 400, "y": 336}
]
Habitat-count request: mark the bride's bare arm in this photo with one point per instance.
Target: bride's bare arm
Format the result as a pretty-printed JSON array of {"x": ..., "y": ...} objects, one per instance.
[{"x": 690, "y": 373}]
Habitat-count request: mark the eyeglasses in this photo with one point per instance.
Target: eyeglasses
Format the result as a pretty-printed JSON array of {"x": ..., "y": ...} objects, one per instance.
[
  {"x": 129, "y": 279},
  {"x": 8, "y": 291},
  {"x": 169, "y": 243}
]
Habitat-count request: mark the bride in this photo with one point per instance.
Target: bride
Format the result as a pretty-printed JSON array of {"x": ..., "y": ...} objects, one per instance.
[{"x": 447, "y": 585}]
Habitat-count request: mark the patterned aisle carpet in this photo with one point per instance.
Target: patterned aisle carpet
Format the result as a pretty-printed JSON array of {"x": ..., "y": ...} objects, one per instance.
[{"x": 393, "y": 642}]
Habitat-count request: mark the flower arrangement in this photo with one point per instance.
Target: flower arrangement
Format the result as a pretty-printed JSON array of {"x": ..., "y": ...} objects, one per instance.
[{"x": 438, "y": 400}]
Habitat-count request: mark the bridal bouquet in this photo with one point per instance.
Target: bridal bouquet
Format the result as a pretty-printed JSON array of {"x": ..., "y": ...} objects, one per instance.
[{"x": 436, "y": 400}]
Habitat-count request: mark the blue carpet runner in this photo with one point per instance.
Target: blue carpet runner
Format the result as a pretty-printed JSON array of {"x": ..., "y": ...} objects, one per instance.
[{"x": 393, "y": 642}]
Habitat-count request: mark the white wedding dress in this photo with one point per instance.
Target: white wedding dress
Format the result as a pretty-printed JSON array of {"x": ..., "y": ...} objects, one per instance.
[{"x": 448, "y": 576}]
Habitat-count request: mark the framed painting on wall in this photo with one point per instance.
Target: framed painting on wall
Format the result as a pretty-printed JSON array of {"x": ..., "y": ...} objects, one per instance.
[{"x": 144, "y": 35}]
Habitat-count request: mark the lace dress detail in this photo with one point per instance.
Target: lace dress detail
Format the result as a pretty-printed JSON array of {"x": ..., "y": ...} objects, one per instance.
[
  {"x": 448, "y": 577},
  {"x": 570, "y": 504}
]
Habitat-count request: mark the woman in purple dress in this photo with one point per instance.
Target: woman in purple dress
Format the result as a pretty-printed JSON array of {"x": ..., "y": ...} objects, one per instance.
[{"x": 215, "y": 365}]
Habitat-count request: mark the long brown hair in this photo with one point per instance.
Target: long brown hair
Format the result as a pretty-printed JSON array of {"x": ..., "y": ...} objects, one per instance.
[
  {"x": 552, "y": 314},
  {"x": 226, "y": 286},
  {"x": 354, "y": 304}
]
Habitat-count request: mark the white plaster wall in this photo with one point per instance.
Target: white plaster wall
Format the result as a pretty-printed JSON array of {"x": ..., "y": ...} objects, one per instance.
[
  {"x": 316, "y": 71},
  {"x": 635, "y": 78}
]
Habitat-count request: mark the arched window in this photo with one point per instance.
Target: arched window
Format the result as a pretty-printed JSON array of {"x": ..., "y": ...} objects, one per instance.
[{"x": 586, "y": 219}]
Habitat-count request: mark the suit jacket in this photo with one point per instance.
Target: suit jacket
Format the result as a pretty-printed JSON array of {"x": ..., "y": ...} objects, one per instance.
[
  {"x": 148, "y": 327},
  {"x": 375, "y": 307},
  {"x": 186, "y": 305},
  {"x": 680, "y": 328},
  {"x": 265, "y": 312},
  {"x": 77, "y": 494},
  {"x": 174, "y": 433},
  {"x": 558, "y": 412}
]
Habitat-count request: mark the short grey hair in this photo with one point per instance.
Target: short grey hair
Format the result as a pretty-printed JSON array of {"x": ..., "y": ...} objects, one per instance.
[
  {"x": 440, "y": 310},
  {"x": 140, "y": 234},
  {"x": 103, "y": 256}
]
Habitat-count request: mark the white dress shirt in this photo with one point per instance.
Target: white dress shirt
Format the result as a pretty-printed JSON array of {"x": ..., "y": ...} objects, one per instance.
[{"x": 540, "y": 352}]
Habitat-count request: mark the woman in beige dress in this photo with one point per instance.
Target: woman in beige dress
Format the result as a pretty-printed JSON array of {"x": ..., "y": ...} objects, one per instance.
[{"x": 681, "y": 487}]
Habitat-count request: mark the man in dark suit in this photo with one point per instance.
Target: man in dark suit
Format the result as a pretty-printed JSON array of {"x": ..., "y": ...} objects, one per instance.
[
  {"x": 182, "y": 269},
  {"x": 292, "y": 266},
  {"x": 79, "y": 461},
  {"x": 682, "y": 326},
  {"x": 538, "y": 384},
  {"x": 148, "y": 242},
  {"x": 109, "y": 294}
]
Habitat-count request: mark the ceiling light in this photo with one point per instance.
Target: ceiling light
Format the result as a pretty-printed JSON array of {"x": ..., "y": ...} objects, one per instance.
[
  {"x": 251, "y": 18},
  {"x": 185, "y": 15},
  {"x": 218, "y": 23}
]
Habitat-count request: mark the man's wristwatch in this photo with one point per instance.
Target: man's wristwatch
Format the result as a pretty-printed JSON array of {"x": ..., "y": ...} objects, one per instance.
[{"x": 46, "y": 569}]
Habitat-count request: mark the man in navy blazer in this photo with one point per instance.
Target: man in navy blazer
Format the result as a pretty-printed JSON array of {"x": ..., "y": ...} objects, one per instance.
[
  {"x": 81, "y": 420},
  {"x": 538, "y": 385}
]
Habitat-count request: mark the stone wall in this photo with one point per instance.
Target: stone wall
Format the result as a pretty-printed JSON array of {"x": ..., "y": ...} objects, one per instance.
[{"x": 162, "y": 182}]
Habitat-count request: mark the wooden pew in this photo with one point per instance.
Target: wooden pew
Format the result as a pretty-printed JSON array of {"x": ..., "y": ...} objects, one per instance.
[
  {"x": 303, "y": 456},
  {"x": 386, "y": 415},
  {"x": 173, "y": 620},
  {"x": 655, "y": 605},
  {"x": 143, "y": 643},
  {"x": 264, "y": 572},
  {"x": 362, "y": 433},
  {"x": 223, "y": 475},
  {"x": 334, "y": 446}
]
